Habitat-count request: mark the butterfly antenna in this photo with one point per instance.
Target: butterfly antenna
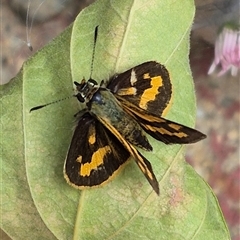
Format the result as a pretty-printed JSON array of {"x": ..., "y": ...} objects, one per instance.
[
  {"x": 94, "y": 46},
  {"x": 93, "y": 54},
  {"x": 44, "y": 105}
]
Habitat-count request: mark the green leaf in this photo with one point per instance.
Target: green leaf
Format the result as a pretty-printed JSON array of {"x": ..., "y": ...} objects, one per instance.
[{"x": 34, "y": 145}]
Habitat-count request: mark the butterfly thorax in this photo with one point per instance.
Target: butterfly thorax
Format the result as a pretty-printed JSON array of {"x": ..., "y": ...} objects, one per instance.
[
  {"x": 86, "y": 89},
  {"x": 107, "y": 109}
]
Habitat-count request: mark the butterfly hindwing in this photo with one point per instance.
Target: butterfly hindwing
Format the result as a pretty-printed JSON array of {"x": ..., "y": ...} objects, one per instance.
[{"x": 95, "y": 154}]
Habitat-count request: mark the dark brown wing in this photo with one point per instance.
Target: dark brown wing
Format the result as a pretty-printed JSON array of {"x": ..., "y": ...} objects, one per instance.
[
  {"x": 94, "y": 155},
  {"x": 162, "y": 129},
  {"x": 142, "y": 162},
  {"x": 145, "y": 92},
  {"x": 147, "y": 85}
]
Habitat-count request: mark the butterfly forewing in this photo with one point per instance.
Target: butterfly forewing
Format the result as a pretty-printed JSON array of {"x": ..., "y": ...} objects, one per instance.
[
  {"x": 147, "y": 86},
  {"x": 142, "y": 162},
  {"x": 145, "y": 93},
  {"x": 95, "y": 154},
  {"x": 160, "y": 128}
]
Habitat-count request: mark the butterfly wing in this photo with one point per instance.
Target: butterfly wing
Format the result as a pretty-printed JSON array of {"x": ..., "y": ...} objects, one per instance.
[
  {"x": 142, "y": 162},
  {"x": 145, "y": 93},
  {"x": 147, "y": 85},
  {"x": 162, "y": 129},
  {"x": 95, "y": 154}
]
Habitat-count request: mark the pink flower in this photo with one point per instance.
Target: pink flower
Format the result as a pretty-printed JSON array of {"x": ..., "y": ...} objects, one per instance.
[{"x": 227, "y": 51}]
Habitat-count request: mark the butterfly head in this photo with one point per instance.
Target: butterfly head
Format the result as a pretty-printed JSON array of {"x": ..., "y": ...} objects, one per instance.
[{"x": 86, "y": 89}]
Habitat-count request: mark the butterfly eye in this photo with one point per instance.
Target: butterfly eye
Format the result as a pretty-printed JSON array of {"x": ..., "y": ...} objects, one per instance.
[{"x": 92, "y": 83}]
